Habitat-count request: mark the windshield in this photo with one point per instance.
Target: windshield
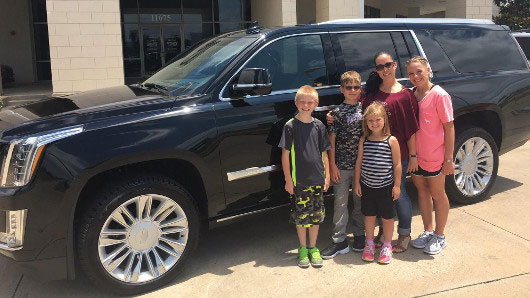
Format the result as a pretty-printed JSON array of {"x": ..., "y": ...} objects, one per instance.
[{"x": 191, "y": 72}]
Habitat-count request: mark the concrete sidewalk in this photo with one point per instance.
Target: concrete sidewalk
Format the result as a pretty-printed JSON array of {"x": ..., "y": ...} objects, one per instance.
[{"x": 487, "y": 255}]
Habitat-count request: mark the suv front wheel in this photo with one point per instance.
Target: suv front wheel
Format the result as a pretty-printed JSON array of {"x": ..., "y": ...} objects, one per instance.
[
  {"x": 476, "y": 160},
  {"x": 137, "y": 233}
]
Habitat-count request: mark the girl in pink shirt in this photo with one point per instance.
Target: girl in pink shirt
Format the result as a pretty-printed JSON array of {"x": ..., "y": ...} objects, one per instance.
[{"x": 434, "y": 146}]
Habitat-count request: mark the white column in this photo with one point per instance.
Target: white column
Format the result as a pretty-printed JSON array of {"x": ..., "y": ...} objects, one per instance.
[
  {"x": 274, "y": 12},
  {"x": 414, "y": 12},
  {"x": 328, "y": 10},
  {"x": 85, "y": 44},
  {"x": 469, "y": 9}
]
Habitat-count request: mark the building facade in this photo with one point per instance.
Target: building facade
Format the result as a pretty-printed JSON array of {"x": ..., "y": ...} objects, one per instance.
[{"x": 80, "y": 45}]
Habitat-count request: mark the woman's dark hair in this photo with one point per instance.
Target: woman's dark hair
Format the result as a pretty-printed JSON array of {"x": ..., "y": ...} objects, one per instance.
[{"x": 374, "y": 80}]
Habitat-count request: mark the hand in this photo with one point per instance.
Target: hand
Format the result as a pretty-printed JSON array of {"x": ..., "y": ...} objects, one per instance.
[
  {"x": 396, "y": 191},
  {"x": 326, "y": 184},
  {"x": 289, "y": 187},
  {"x": 329, "y": 118},
  {"x": 448, "y": 168},
  {"x": 358, "y": 190},
  {"x": 413, "y": 165},
  {"x": 335, "y": 174}
]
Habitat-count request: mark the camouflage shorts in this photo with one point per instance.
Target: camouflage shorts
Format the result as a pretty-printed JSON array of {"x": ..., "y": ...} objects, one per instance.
[{"x": 307, "y": 206}]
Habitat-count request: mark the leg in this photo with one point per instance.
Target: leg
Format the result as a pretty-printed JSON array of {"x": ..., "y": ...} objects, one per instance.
[
  {"x": 388, "y": 229},
  {"x": 403, "y": 205},
  {"x": 369, "y": 224},
  {"x": 357, "y": 215},
  {"x": 340, "y": 204},
  {"x": 313, "y": 235},
  {"x": 359, "y": 238},
  {"x": 441, "y": 202},
  {"x": 302, "y": 238},
  {"x": 404, "y": 212},
  {"x": 424, "y": 200}
]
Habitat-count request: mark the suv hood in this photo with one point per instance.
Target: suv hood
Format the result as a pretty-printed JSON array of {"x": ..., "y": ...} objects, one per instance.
[{"x": 57, "y": 112}]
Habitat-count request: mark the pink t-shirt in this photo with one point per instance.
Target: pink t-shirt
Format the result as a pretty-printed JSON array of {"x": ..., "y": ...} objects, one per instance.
[{"x": 434, "y": 110}]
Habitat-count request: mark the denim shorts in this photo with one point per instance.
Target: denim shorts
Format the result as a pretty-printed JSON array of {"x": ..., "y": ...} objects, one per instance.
[{"x": 421, "y": 172}]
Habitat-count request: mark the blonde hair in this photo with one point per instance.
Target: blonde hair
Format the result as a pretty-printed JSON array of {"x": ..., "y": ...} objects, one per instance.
[
  {"x": 350, "y": 77},
  {"x": 376, "y": 108},
  {"x": 306, "y": 90},
  {"x": 418, "y": 59}
]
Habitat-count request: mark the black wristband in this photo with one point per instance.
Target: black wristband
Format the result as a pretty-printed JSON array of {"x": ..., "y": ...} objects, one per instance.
[{"x": 413, "y": 155}]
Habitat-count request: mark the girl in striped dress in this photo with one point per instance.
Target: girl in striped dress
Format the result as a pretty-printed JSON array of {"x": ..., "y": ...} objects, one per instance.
[{"x": 378, "y": 179}]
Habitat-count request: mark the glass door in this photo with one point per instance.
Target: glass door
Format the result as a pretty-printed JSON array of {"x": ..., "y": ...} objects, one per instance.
[
  {"x": 152, "y": 49},
  {"x": 172, "y": 44}
]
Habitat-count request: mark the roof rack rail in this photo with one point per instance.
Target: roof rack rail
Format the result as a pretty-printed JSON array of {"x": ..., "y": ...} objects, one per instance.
[
  {"x": 408, "y": 21},
  {"x": 254, "y": 28}
]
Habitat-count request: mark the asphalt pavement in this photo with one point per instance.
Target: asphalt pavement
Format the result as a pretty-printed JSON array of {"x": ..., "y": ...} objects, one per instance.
[{"x": 488, "y": 255}]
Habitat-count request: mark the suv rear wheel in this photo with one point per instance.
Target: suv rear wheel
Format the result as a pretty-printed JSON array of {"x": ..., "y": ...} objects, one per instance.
[
  {"x": 136, "y": 234},
  {"x": 476, "y": 160}
]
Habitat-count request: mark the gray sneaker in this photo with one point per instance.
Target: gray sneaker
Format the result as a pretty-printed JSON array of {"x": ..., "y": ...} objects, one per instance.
[
  {"x": 422, "y": 239},
  {"x": 435, "y": 245}
]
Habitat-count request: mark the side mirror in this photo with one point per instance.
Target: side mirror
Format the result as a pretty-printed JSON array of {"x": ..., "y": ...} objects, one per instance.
[{"x": 252, "y": 81}]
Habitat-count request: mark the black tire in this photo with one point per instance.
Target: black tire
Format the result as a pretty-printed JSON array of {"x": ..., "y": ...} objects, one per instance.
[
  {"x": 105, "y": 203},
  {"x": 453, "y": 191}
]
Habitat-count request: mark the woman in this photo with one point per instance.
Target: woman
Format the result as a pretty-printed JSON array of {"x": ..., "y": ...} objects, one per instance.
[{"x": 434, "y": 144}]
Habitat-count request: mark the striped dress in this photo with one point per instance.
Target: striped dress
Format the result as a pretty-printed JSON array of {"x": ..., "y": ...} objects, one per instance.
[{"x": 377, "y": 167}]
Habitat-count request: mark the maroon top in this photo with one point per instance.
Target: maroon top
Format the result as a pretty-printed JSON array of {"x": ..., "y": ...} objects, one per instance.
[{"x": 402, "y": 109}]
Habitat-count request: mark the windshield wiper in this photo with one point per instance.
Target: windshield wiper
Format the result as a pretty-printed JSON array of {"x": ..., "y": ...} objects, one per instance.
[{"x": 158, "y": 87}]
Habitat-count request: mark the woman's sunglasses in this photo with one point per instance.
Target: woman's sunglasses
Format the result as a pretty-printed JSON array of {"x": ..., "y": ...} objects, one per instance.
[
  {"x": 380, "y": 67},
  {"x": 350, "y": 88}
]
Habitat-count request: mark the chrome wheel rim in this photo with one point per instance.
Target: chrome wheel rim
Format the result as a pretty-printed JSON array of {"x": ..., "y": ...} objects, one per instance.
[
  {"x": 143, "y": 238},
  {"x": 473, "y": 166}
]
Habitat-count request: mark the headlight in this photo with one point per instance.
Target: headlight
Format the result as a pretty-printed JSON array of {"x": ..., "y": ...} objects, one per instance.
[{"x": 22, "y": 156}]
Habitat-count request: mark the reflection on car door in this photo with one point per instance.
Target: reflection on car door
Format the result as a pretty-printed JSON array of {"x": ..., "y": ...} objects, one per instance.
[{"x": 250, "y": 128}]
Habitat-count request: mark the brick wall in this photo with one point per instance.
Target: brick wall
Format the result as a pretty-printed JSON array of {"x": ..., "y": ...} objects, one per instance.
[
  {"x": 85, "y": 44},
  {"x": 469, "y": 9},
  {"x": 328, "y": 10}
]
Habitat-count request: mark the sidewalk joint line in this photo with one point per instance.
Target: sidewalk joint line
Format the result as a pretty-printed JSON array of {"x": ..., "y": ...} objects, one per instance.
[
  {"x": 464, "y": 211},
  {"x": 475, "y": 284}
]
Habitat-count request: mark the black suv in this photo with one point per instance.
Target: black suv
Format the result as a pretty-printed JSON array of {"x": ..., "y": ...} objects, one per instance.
[{"x": 117, "y": 183}]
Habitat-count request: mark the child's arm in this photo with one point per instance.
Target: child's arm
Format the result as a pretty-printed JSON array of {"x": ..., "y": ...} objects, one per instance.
[
  {"x": 413, "y": 161},
  {"x": 286, "y": 166},
  {"x": 326, "y": 166},
  {"x": 448, "y": 168},
  {"x": 358, "y": 163},
  {"x": 335, "y": 173},
  {"x": 396, "y": 161}
]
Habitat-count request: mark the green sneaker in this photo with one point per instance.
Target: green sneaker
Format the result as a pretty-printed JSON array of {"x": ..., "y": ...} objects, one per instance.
[
  {"x": 303, "y": 260},
  {"x": 316, "y": 259}
]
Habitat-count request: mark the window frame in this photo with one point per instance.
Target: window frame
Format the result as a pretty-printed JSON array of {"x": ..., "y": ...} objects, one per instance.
[
  {"x": 321, "y": 34},
  {"x": 417, "y": 44},
  {"x": 332, "y": 69}
]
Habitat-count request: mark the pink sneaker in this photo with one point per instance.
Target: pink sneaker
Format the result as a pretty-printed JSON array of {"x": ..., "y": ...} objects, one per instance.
[
  {"x": 368, "y": 253},
  {"x": 385, "y": 257}
]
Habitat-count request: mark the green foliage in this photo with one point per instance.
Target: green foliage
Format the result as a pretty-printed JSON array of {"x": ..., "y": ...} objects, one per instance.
[{"x": 514, "y": 13}]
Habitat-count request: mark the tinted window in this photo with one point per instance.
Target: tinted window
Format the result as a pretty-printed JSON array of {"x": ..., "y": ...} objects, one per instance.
[
  {"x": 158, "y": 11},
  {"x": 402, "y": 52},
  {"x": 440, "y": 64},
  {"x": 358, "y": 50},
  {"x": 411, "y": 45},
  {"x": 479, "y": 50},
  {"x": 197, "y": 11},
  {"x": 524, "y": 42},
  {"x": 293, "y": 62}
]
